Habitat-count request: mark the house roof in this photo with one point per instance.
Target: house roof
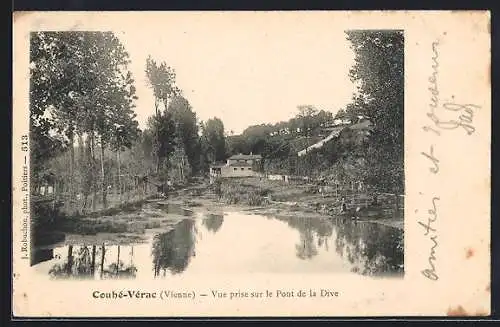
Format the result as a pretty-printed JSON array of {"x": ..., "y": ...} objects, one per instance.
[
  {"x": 245, "y": 156},
  {"x": 240, "y": 164},
  {"x": 217, "y": 164}
]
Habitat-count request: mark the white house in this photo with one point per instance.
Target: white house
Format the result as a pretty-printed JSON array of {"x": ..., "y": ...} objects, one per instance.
[{"x": 239, "y": 165}]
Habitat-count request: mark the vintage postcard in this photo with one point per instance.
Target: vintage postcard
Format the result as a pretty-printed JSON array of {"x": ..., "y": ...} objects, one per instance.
[{"x": 210, "y": 164}]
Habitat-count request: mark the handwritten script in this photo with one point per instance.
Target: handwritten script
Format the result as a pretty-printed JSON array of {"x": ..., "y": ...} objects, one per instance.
[{"x": 443, "y": 116}]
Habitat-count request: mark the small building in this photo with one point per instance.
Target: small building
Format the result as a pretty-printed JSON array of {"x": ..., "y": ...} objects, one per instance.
[
  {"x": 244, "y": 159},
  {"x": 239, "y": 165}
]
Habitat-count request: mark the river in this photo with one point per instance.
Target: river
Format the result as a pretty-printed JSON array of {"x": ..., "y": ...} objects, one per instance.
[{"x": 235, "y": 242}]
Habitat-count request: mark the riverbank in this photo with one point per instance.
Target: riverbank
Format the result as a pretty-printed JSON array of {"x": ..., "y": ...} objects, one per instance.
[
  {"x": 119, "y": 222},
  {"x": 132, "y": 221},
  {"x": 276, "y": 198},
  {"x": 263, "y": 196}
]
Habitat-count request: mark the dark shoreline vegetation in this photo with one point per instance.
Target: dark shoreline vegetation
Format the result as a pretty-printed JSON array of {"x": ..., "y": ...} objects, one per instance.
[
  {"x": 93, "y": 168},
  {"x": 253, "y": 194},
  {"x": 373, "y": 253}
]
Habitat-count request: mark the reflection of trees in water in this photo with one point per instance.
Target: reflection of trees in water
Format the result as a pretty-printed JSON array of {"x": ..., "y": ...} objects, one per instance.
[
  {"x": 118, "y": 269},
  {"x": 310, "y": 229},
  {"x": 306, "y": 249},
  {"x": 213, "y": 222},
  {"x": 173, "y": 250},
  {"x": 371, "y": 249},
  {"x": 42, "y": 255},
  {"x": 323, "y": 242},
  {"x": 80, "y": 262}
]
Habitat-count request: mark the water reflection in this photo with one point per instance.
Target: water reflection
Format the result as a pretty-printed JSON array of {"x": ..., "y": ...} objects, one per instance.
[
  {"x": 42, "y": 255},
  {"x": 247, "y": 243},
  {"x": 213, "y": 222},
  {"x": 370, "y": 249},
  {"x": 93, "y": 262},
  {"x": 173, "y": 250},
  {"x": 310, "y": 230}
]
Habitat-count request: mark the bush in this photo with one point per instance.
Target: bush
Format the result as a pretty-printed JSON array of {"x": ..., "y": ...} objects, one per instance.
[
  {"x": 41, "y": 238},
  {"x": 91, "y": 227},
  {"x": 243, "y": 193},
  {"x": 45, "y": 217}
]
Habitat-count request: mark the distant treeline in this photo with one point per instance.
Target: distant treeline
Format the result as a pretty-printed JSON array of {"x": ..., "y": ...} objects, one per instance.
[
  {"x": 370, "y": 154},
  {"x": 85, "y": 138}
]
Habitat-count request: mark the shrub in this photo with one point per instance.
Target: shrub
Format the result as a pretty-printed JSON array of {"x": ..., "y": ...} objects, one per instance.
[{"x": 255, "y": 199}]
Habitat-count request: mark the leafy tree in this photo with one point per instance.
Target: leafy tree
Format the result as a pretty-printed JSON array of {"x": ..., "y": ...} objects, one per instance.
[
  {"x": 379, "y": 71},
  {"x": 306, "y": 119},
  {"x": 161, "y": 79},
  {"x": 186, "y": 130},
  {"x": 79, "y": 86},
  {"x": 180, "y": 170},
  {"x": 162, "y": 128},
  {"x": 237, "y": 144},
  {"x": 340, "y": 114},
  {"x": 213, "y": 140}
]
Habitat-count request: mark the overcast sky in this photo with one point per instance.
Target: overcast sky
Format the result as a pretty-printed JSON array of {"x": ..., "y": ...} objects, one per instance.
[{"x": 244, "y": 72}]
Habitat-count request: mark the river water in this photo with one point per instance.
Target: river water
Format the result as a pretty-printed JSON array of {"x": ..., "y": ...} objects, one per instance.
[{"x": 236, "y": 242}]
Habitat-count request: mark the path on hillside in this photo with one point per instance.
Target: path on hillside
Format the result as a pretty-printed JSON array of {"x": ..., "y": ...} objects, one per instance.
[{"x": 319, "y": 144}]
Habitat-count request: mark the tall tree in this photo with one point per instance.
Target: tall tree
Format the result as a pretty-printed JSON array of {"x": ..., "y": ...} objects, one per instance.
[
  {"x": 162, "y": 128},
  {"x": 186, "y": 130},
  {"x": 379, "y": 72},
  {"x": 214, "y": 140},
  {"x": 125, "y": 129},
  {"x": 306, "y": 118},
  {"x": 77, "y": 81},
  {"x": 161, "y": 79}
]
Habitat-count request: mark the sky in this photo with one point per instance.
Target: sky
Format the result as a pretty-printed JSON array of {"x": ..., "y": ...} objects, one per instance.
[{"x": 243, "y": 71}]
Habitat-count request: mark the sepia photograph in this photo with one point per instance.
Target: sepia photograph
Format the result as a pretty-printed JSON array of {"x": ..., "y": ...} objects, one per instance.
[
  {"x": 220, "y": 164},
  {"x": 140, "y": 167}
]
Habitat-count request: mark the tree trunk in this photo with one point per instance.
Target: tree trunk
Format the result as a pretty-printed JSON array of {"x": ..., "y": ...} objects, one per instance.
[
  {"x": 55, "y": 197},
  {"x": 70, "y": 260},
  {"x": 102, "y": 259},
  {"x": 93, "y": 160},
  {"x": 118, "y": 261},
  {"x": 103, "y": 176},
  {"x": 131, "y": 256},
  {"x": 119, "y": 177},
  {"x": 181, "y": 168},
  {"x": 71, "y": 166},
  {"x": 157, "y": 140},
  {"x": 92, "y": 268}
]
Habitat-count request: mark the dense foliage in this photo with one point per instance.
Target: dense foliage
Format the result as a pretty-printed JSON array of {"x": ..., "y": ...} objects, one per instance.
[
  {"x": 372, "y": 154},
  {"x": 85, "y": 137}
]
